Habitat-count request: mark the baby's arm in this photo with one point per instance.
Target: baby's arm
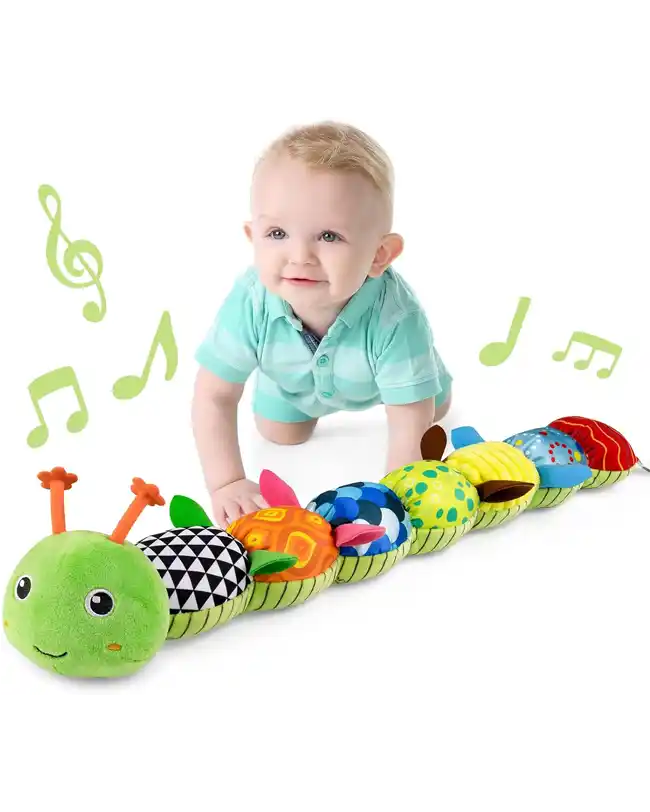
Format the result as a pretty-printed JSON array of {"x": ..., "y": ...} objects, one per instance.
[
  {"x": 214, "y": 422},
  {"x": 410, "y": 375},
  {"x": 406, "y": 425}
]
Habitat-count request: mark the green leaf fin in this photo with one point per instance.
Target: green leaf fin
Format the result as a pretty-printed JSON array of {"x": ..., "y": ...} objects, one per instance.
[
  {"x": 265, "y": 562},
  {"x": 185, "y": 512}
]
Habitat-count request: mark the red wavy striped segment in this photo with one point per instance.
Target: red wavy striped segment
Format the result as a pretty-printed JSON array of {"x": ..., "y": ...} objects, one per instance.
[{"x": 606, "y": 448}]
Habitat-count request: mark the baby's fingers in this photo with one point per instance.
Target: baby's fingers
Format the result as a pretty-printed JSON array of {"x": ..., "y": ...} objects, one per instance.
[
  {"x": 220, "y": 518},
  {"x": 260, "y": 501},
  {"x": 233, "y": 512},
  {"x": 248, "y": 504}
]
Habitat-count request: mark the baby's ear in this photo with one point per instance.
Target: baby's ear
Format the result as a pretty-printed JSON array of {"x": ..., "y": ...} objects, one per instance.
[
  {"x": 390, "y": 248},
  {"x": 248, "y": 231}
]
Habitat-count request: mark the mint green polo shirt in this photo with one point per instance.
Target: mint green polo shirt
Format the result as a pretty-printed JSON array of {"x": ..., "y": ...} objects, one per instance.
[{"x": 379, "y": 350}]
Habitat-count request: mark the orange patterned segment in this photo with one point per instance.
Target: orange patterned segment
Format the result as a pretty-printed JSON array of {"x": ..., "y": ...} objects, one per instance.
[
  {"x": 301, "y": 545},
  {"x": 297, "y": 532},
  {"x": 258, "y": 539},
  {"x": 606, "y": 448},
  {"x": 274, "y": 514}
]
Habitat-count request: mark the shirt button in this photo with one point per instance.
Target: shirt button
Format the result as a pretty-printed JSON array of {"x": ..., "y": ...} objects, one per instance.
[
  {"x": 323, "y": 360},
  {"x": 326, "y": 394}
]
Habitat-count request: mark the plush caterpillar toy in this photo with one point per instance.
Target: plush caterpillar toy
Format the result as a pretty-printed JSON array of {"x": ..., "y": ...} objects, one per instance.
[{"x": 86, "y": 604}]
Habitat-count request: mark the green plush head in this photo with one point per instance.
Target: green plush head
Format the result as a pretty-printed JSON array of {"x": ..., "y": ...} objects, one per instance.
[{"x": 85, "y": 604}]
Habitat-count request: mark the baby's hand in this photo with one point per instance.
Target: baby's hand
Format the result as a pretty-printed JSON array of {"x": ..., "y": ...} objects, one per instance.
[{"x": 236, "y": 499}]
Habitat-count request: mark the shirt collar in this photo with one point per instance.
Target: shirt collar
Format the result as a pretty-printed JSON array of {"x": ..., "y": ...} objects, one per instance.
[{"x": 360, "y": 302}]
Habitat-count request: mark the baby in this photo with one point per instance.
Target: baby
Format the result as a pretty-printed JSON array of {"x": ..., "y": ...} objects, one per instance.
[{"x": 322, "y": 314}]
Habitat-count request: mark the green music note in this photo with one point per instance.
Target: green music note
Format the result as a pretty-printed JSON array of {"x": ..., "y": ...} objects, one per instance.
[
  {"x": 54, "y": 381},
  {"x": 74, "y": 251},
  {"x": 499, "y": 351},
  {"x": 130, "y": 386},
  {"x": 595, "y": 343}
]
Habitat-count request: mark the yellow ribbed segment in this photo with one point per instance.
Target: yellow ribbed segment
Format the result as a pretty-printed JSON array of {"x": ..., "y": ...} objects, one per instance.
[{"x": 494, "y": 460}]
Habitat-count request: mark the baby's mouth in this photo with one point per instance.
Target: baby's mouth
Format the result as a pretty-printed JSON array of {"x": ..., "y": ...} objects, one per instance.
[
  {"x": 302, "y": 280},
  {"x": 54, "y": 656}
]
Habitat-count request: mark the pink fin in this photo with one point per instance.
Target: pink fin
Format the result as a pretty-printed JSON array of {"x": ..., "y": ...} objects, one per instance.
[
  {"x": 276, "y": 492},
  {"x": 354, "y": 534}
]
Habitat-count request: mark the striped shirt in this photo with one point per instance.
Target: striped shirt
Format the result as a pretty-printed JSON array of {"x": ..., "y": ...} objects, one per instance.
[{"x": 380, "y": 349}]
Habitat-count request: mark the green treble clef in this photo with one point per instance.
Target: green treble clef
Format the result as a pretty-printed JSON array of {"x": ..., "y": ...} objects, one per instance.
[{"x": 75, "y": 250}]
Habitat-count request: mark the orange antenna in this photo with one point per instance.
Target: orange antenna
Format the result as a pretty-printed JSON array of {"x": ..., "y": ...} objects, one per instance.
[
  {"x": 145, "y": 494},
  {"x": 57, "y": 481}
]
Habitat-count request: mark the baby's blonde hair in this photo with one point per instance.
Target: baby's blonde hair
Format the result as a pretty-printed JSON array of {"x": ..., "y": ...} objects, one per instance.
[{"x": 339, "y": 147}]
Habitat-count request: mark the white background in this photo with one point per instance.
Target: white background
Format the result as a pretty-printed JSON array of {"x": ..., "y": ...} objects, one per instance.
[{"x": 508, "y": 673}]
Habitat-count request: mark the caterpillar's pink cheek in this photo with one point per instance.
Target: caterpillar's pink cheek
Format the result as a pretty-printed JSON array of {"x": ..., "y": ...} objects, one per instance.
[{"x": 114, "y": 647}]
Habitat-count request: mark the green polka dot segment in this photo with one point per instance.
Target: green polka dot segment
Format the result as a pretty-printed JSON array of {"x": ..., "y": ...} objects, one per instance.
[{"x": 434, "y": 494}]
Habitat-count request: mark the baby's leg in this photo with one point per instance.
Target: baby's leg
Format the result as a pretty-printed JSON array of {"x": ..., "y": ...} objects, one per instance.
[
  {"x": 277, "y": 420},
  {"x": 443, "y": 408},
  {"x": 285, "y": 433}
]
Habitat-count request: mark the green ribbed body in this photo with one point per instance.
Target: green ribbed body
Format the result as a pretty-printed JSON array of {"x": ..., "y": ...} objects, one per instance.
[
  {"x": 493, "y": 518},
  {"x": 354, "y": 568},
  {"x": 186, "y": 624},
  {"x": 552, "y": 497},
  {"x": 281, "y": 594},
  {"x": 601, "y": 479},
  {"x": 434, "y": 539}
]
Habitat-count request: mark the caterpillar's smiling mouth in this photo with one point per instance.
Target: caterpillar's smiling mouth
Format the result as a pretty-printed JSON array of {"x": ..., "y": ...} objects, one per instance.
[{"x": 54, "y": 656}]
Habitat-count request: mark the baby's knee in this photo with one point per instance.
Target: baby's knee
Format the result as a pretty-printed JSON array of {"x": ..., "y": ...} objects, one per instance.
[{"x": 285, "y": 433}]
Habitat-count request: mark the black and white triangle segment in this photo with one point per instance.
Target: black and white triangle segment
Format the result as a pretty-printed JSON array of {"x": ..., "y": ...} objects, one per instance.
[{"x": 201, "y": 567}]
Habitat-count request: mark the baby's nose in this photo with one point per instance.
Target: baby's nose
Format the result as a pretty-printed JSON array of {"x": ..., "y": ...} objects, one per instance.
[{"x": 300, "y": 252}]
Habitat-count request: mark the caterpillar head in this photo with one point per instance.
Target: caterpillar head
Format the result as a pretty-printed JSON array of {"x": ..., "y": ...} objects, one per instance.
[{"x": 83, "y": 603}]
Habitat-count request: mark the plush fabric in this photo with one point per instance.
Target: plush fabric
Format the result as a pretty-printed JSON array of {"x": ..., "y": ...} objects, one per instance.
[
  {"x": 86, "y": 604},
  {"x": 201, "y": 567},
  {"x": 486, "y": 461},
  {"x": 552, "y": 497},
  {"x": 441, "y": 502},
  {"x": 291, "y": 530},
  {"x": 367, "y": 503},
  {"x": 560, "y": 461},
  {"x": 185, "y": 512},
  {"x": 265, "y": 562},
  {"x": 64, "y": 569},
  {"x": 606, "y": 448},
  {"x": 353, "y": 569},
  {"x": 281, "y": 595},
  {"x": 186, "y": 624},
  {"x": 601, "y": 479}
]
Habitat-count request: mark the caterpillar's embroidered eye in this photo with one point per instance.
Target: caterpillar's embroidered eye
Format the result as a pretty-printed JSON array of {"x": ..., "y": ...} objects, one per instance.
[
  {"x": 23, "y": 587},
  {"x": 99, "y": 603}
]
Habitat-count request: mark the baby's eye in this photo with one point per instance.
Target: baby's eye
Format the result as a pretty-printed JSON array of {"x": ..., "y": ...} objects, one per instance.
[
  {"x": 277, "y": 233},
  {"x": 330, "y": 236},
  {"x": 99, "y": 603},
  {"x": 23, "y": 587}
]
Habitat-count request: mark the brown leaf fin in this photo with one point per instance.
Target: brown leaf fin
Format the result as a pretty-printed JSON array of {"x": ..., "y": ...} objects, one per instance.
[
  {"x": 433, "y": 443},
  {"x": 502, "y": 490}
]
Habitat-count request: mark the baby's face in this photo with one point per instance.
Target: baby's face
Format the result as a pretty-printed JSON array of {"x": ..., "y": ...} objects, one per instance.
[{"x": 316, "y": 234}]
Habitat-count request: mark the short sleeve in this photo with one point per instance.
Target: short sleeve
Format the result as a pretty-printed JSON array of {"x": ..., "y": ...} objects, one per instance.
[
  {"x": 407, "y": 366},
  {"x": 229, "y": 350}
]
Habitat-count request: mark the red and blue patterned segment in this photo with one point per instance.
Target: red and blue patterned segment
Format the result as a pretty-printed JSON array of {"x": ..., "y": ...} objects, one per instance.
[{"x": 365, "y": 503}]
